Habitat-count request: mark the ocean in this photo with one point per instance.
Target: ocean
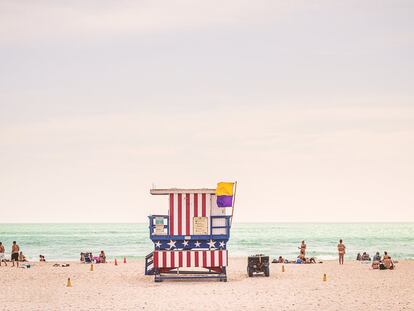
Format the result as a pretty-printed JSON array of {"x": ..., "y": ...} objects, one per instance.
[{"x": 66, "y": 241}]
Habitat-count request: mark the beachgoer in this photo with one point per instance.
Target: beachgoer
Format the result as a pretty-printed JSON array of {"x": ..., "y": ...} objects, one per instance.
[
  {"x": 82, "y": 257},
  {"x": 88, "y": 257},
  {"x": 376, "y": 261},
  {"x": 302, "y": 248},
  {"x": 375, "y": 264},
  {"x": 341, "y": 252},
  {"x": 365, "y": 257},
  {"x": 22, "y": 257},
  {"x": 15, "y": 253},
  {"x": 102, "y": 257},
  {"x": 385, "y": 256},
  {"x": 358, "y": 257},
  {"x": 388, "y": 263},
  {"x": 2, "y": 258},
  {"x": 280, "y": 260},
  {"x": 42, "y": 258}
]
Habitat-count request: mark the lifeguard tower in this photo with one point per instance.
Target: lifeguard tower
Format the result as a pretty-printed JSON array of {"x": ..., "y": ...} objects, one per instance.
[{"x": 191, "y": 241}]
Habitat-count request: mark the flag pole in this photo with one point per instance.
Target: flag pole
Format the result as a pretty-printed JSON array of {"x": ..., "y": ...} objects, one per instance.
[{"x": 234, "y": 200}]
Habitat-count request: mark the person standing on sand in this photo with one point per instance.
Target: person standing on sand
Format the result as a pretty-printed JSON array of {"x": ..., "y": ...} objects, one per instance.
[
  {"x": 2, "y": 258},
  {"x": 302, "y": 248},
  {"x": 341, "y": 252},
  {"x": 15, "y": 253}
]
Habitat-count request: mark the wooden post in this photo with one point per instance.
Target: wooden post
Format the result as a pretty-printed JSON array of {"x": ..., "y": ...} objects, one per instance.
[{"x": 234, "y": 200}]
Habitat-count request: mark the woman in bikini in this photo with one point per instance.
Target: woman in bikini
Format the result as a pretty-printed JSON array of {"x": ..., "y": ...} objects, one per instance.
[{"x": 341, "y": 252}]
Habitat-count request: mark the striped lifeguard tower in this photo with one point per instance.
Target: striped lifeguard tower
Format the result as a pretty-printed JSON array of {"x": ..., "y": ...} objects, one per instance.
[{"x": 191, "y": 241}]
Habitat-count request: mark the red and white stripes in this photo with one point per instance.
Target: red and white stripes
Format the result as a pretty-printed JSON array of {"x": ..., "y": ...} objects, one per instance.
[
  {"x": 202, "y": 258},
  {"x": 185, "y": 206}
]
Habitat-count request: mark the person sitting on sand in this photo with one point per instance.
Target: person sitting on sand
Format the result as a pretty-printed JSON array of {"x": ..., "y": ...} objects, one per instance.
[
  {"x": 388, "y": 263},
  {"x": 377, "y": 257},
  {"x": 22, "y": 257},
  {"x": 88, "y": 257},
  {"x": 102, "y": 257},
  {"x": 365, "y": 257},
  {"x": 2, "y": 257},
  {"x": 301, "y": 259},
  {"x": 376, "y": 261},
  {"x": 82, "y": 257},
  {"x": 358, "y": 257}
]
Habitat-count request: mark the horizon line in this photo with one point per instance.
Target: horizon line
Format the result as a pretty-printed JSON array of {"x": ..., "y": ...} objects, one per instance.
[{"x": 243, "y": 222}]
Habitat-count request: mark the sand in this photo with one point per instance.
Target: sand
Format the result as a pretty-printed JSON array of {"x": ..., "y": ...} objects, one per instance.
[{"x": 352, "y": 286}]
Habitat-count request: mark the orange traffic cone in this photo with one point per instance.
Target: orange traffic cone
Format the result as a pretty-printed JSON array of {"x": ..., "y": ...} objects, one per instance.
[
  {"x": 124, "y": 259},
  {"x": 68, "y": 284},
  {"x": 116, "y": 262},
  {"x": 283, "y": 268}
]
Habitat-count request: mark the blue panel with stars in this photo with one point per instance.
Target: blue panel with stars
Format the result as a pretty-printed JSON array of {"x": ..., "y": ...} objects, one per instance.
[{"x": 189, "y": 244}]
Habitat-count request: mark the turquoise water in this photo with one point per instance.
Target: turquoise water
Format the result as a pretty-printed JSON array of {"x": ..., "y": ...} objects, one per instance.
[{"x": 66, "y": 241}]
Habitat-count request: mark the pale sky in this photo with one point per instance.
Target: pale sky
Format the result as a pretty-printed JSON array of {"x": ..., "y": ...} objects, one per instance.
[{"x": 309, "y": 105}]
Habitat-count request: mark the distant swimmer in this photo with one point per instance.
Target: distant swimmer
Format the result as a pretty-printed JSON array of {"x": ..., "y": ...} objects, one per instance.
[
  {"x": 302, "y": 248},
  {"x": 15, "y": 253},
  {"x": 341, "y": 252}
]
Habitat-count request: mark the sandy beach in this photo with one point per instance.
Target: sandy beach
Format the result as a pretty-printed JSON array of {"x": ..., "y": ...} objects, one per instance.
[{"x": 352, "y": 286}]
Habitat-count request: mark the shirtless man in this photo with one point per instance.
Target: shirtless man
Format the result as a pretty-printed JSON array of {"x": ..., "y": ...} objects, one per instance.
[
  {"x": 15, "y": 253},
  {"x": 2, "y": 258},
  {"x": 302, "y": 248},
  {"x": 341, "y": 252},
  {"x": 388, "y": 263}
]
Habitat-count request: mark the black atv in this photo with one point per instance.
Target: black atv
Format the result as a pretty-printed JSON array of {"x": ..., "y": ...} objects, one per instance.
[{"x": 258, "y": 264}]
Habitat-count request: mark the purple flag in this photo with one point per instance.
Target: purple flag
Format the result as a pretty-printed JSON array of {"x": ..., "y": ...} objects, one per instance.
[{"x": 225, "y": 201}]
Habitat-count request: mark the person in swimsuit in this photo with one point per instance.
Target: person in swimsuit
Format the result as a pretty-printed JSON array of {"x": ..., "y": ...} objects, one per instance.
[
  {"x": 15, "y": 253},
  {"x": 22, "y": 257},
  {"x": 387, "y": 261},
  {"x": 302, "y": 248},
  {"x": 102, "y": 257},
  {"x": 2, "y": 258},
  {"x": 341, "y": 252}
]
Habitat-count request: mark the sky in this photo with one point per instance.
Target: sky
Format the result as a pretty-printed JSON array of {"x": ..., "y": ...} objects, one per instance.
[{"x": 308, "y": 105}]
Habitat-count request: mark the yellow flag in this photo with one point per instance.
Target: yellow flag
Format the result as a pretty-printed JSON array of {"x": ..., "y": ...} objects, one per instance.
[{"x": 224, "y": 188}]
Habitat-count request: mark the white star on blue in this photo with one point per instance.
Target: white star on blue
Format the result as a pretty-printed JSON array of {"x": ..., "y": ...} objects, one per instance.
[
  {"x": 172, "y": 244},
  {"x": 211, "y": 244}
]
